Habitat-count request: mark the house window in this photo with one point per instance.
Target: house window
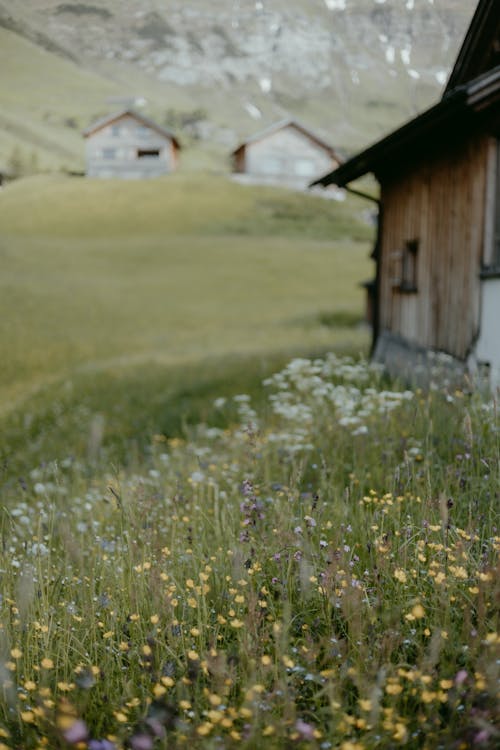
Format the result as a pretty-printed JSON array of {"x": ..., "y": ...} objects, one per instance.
[
  {"x": 142, "y": 131},
  {"x": 109, "y": 153},
  {"x": 304, "y": 168},
  {"x": 115, "y": 130},
  {"x": 148, "y": 153},
  {"x": 271, "y": 165},
  {"x": 409, "y": 267}
]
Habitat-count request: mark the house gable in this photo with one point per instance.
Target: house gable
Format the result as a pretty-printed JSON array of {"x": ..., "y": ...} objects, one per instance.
[
  {"x": 126, "y": 145},
  {"x": 285, "y": 151},
  {"x": 480, "y": 50}
]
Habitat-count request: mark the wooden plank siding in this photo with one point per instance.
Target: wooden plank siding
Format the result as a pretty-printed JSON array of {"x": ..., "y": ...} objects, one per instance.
[{"x": 441, "y": 203}]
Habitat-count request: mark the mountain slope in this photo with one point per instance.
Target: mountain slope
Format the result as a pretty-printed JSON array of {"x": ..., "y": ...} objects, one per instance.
[{"x": 225, "y": 68}]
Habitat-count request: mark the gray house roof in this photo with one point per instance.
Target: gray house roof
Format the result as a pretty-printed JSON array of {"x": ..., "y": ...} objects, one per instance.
[
  {"x": 104, "y": 121},
  {"x": 280, "y": 125}
]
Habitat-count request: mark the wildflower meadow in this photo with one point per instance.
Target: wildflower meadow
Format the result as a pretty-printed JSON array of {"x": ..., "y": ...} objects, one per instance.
[{"x": 321, "y": 572}]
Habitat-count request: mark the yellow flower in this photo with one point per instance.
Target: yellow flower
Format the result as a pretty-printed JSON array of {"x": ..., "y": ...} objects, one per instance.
[
  {"x": 215, "y": 716},
  {"x": 47, "y": 663},
  {"x": 65, "y": 687},
  {"x": 154, "y": 619},
  {"x": 400, "y": 732},
  {"x": 159, "y": 690},
  {"x": 416, "y": 613},
  {"x": 393, "y": 689},
  {"x": 446, "y": 684},
  {"x": 237, "y": 623},
  {"x": 365, "y": 705},
  {"x": 400, "y": 575},
  {"x": 268, "y": 731},
  {"x": 28, "y": 717},
  {"x": 30, "y": 685},
  {"x": 121, "y": 717},
  {"x": 428, "y": 696},
  {"x": 214, "y": 699},
  {"x": 266, "y": 660},
  {"x": 192, "y": 655},
  {"x": 167, "y": 681},
  {"x": 204, "y": 729}
]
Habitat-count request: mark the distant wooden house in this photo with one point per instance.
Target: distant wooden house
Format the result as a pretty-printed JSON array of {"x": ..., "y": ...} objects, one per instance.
[
  {"x": 128, "y": 145},
  {"x": 437, "y": 284},
  {"x": 286, "y": 153}
]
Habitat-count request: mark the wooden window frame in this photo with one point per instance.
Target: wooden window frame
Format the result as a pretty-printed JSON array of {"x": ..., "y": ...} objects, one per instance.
[{"x": 407, "y": 281}]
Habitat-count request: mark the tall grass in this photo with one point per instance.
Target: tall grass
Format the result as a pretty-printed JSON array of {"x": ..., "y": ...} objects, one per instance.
[{"x": 321, "y": 571}]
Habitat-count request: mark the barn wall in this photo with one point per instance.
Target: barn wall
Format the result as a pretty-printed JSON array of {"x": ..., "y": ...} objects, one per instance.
[
  {"x": 441, "y": 204},
  {"x": 287, "y": 154},
  {"x": 114, "y": 154},
  {"x": 488, "y": 345}
]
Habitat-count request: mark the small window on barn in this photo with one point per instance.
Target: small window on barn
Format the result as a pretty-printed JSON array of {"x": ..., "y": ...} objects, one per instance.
[
  {"x": 109, "y": 153},
  {"x": 115, "y": 130},
  {"x": 148, "y": 153},
  {"x": 142, "y": 131},
  {"x": 409, "y": 258}
]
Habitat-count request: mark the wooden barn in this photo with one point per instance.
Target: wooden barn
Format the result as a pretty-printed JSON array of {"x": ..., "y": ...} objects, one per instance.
[
  {"x": 285, "y": 153},
  {"x": 437, "y": 283},
  {"x": 128, "y": 145}
]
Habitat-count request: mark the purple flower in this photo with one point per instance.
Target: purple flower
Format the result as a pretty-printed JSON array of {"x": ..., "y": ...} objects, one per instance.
[
  {"x": 460, "y": 677},
  {"x": 101, "y": 745},
  {"x": 76, "y": 733},
  {"x": 141, "y": 742},
  {"x": 305, "y": 730},
  {"x": 482, "y": 736}
]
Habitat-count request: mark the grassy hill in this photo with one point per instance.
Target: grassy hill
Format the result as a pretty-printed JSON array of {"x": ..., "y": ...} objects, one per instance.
[{"x": 107, "y": 285}]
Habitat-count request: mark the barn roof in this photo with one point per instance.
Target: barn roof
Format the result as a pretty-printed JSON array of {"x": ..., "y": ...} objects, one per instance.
[
  {"x": 480, "y": 50},
  {"x": 104, "y": 121},
  {"x": 280, "y": 125},
  {"x": 455, "y": 114}
]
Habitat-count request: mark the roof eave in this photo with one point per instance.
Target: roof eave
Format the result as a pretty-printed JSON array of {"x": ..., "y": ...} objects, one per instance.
[{"x": 476, "y": 95}]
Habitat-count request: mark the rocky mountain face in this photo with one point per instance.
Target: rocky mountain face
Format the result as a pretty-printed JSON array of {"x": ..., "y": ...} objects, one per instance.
[{"x": 350, "y": 68}]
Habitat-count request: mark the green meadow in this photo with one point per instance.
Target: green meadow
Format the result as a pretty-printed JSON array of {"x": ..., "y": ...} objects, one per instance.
[
  {"x": 107, "y": 282},
  {"x": 221, "y": 526}
]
